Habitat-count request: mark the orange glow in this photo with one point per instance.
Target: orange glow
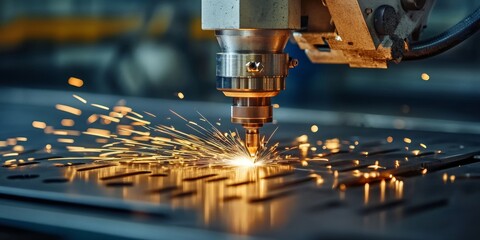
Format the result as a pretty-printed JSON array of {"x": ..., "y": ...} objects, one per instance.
[
  {"x": 180, "y": 95},
  {"x": 76, "y": 82},
  {"x": 98, "y": 132},
  {"x": 68, "y": 109},
  {"x": 67, "y": 122},
  {"x": 425, "y": 77},
  {"x": 38, "y": 124},
  {"x": 65, "y": 140}
]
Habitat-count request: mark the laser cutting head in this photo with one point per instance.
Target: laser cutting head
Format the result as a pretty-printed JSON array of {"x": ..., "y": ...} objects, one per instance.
[
  {"x": 252, "y": 66},
  {"x": 252, "y": 69}
]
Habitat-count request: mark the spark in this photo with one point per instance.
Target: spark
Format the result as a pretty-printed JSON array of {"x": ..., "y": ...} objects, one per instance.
[
  {"x": 80, "y": 98},
  {"x": 93, "y": 118},
  {"x": 65, "y": 140},
  {"x": 98, "y": 132},
  {"x": 136, "y": 114},
  {"x": 122, "y": 109},
  {"x": 376, "y": 166},
  {"x": 60, "y": 132},
  {"x": 76, "y": 82},
  {"x": 445, "y": 177},
  {"x": 100, "y": 106},
  {"x": 12, "y": 141},
  {"x": 18, "y": 148},
  {"x": 150, "y": 114},
  {"x": 135, "y": 138},
  {"x": 180, "y": 95},
  {"x": 101, "y": 140},
  {"x": 10, "y": 154},
  {"x": 332, "y": 144},
  {"x": 48, "y": 130},
  {"x": 314, "y": 128},
  {"x": 67, "y": 122},
  {"x": 318, "y": 178},
  {"x": 108, "y": 118},
  {"x": 302, "y": 139},
  {"x": 425, "y": 77},
  {"x": 137, "y": 120},
  {"x": 68, "y": 109},
  {"x": 452, "y": 178},
  {"x": 115, "y": 115},
  {"x": 407, "y": 140},
  {"x": 10, "y": 162}
]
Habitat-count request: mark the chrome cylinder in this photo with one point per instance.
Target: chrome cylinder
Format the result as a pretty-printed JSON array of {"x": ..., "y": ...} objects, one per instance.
[{"x": 252, "y": 68}]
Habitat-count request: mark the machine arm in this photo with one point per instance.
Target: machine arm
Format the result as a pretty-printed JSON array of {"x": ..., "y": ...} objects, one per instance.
[{"x": 252, "y": 65}]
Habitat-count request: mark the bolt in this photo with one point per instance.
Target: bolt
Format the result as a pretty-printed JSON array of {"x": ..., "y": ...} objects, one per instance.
[
  {"x": 368, "y": 11},
  {"x": 253, "y": 67},
  {"x": 292, "y": 62}
]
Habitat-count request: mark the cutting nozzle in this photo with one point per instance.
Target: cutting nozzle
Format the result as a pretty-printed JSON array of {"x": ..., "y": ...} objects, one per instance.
[{"x": 252, "y": 140}]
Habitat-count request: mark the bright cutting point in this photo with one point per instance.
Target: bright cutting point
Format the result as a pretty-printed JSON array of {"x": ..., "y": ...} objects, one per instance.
[{"x": 243, "y": 161}]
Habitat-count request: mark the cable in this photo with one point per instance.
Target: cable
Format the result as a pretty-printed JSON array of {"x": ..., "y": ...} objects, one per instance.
[{"x": 446, "y": 40}]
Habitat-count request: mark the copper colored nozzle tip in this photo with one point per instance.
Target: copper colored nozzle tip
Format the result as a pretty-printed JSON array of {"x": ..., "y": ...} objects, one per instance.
[{"x": 252, "y": 141}]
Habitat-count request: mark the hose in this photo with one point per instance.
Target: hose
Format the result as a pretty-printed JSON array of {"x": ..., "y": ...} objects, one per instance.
[{"x": 446, "y": 40}]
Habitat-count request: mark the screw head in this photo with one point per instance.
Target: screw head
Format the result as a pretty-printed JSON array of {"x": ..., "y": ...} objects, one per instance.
[
  {"x": 368, "y": 11},
  {"x": 253, "y": 67},
  {"x": 292, "y": 63}
]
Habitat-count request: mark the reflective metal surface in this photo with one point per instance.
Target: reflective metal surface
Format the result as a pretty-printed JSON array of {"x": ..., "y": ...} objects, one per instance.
[
  {"x": 339, "y": 182},
  {"x": 239, "y": 65}
]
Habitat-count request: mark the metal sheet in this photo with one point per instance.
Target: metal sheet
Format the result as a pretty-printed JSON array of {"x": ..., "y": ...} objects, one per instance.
[{"x": 343, "y": 189}]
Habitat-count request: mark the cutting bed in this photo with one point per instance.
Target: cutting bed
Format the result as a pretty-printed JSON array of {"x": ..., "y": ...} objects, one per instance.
[{"x": 343, "y": 182}]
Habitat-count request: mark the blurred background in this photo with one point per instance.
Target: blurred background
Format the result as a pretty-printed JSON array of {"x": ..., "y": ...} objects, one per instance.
[{"x": 156, "y": 48}]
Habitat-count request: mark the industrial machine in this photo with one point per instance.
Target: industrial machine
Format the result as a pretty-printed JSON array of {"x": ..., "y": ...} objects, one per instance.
[
  {"x": 252, "y": 34},
  {"x": 336, "y": 173}
]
